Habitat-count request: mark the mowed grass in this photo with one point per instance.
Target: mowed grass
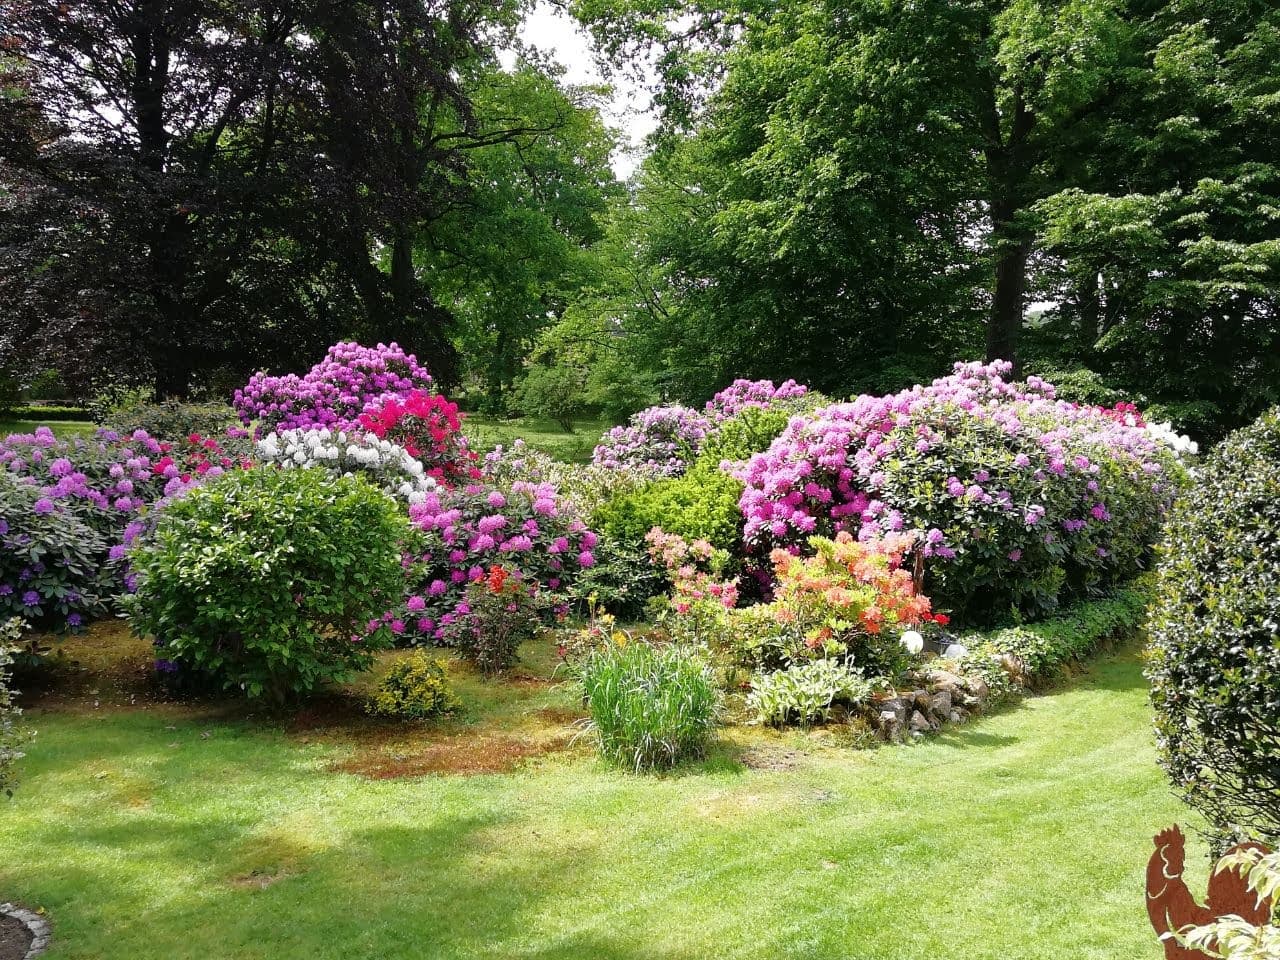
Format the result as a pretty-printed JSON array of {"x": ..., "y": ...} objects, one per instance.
[
  {"x": 162, "y": 831},
  {"x": 61, "y": 428},
  {"x": 545, "y": 435}
]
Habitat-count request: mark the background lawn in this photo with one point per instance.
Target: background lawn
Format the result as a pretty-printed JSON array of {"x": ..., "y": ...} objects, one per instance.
[
  {"x": 62, "y": 428},
  {"x": 158, "y": 831},
  {"x": 545, "y": 435}
]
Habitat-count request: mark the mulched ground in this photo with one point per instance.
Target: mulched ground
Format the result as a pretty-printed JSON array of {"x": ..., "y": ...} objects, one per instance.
[{"x": 15, "y": 939}]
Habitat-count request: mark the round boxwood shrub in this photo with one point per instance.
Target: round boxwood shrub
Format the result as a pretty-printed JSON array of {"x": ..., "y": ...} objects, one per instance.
[
  {"x": 1215, "y": 636},
  {"x": 270, "y": 582}
]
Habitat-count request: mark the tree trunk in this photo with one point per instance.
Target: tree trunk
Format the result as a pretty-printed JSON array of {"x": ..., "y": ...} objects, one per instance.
[{"x": 1012, "y": 250}]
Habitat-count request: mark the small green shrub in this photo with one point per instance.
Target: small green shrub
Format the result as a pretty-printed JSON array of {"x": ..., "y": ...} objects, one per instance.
[
  {"x": 172, "y": 420},
  {"x": 700, "y": 504},
  {"x": 804, "y": 693},
  {"x": 271, "y": 582},
  {"x": 1046, "y": 647},
  {"x": 1215, "y": 636},
  {"x": 11, "y": 736},
  {"x": 649, "y": 707},
  {"x": 416, "y": 688}
]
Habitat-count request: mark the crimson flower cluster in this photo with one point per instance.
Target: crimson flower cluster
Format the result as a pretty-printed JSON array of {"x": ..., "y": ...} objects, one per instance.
[{"x": 429, "y": 428}]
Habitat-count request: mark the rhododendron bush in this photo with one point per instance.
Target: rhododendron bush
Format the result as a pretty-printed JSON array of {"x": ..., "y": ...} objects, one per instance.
[
  {"x": 388, "y": 466},
  {"x": 72, "y": 506},
  {"x": 664, "y": 440},
  {"x": 524, "y": 527},
  {"x": 661, "y": 440},
  {"x": 1019, "y": 499},
  {"x": 429, "y": 427},
  {"x": 334, "y": 392}
]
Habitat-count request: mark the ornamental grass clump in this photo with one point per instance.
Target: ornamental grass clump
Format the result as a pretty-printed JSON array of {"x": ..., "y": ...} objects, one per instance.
[
  {"x": 649, "y": 707},
  {"x": 270, "y": 583},
  {"x": 1214, "y": 624},
  {"x": 1021, "y": 500}
]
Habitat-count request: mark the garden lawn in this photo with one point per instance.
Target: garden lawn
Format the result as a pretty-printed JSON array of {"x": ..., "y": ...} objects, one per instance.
[
  {"x": 168, "y": 833},
  {"x": 544, "y": 435},
  {"x": 61, "y": 428}
]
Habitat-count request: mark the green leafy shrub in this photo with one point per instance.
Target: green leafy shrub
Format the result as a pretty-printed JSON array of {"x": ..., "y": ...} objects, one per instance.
[
  {"x": 805, "y": 693},
  {"x": 271, "y": 582},
  {"x": 416, "y": 688},
  {"x": 700, "y": 504},
  {"x": 172, "y": 419},
  {"x": 649, "y": 707},
  {"x": 1215, "y": 636},
  {"x": 11, "y": 736},
  {"x": 1045, "y": 648}
]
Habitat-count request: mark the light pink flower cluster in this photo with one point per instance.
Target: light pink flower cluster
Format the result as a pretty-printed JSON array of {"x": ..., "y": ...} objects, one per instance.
[
  {"x": 747, "y": 394},
  {"x": 689, "y": 564},
  {"x": 988, "y": 470},
  {"x": 334, "y": 392}
]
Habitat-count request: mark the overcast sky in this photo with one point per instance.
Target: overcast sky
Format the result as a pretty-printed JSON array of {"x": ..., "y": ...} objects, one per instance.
[{"x": 550, "y": 30}]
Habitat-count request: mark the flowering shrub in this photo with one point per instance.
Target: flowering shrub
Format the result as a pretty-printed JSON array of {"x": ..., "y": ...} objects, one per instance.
[
  {"x": 264, "y": 581},
  {"x": 584, "y": 487},
  {"x": 11, "y": 737},
  {"x": 660, "y": 439},
  {"x": 334, "y": 392},
  {"x": 850, "y": 599},
  {"x": 388, "y": 466},
  {"x": 416, "y": 688},
  {"x": 1019, "y": 498},
  {"x": 500, "y": 610},
  {"x": 81, "y": 502},
  {"x": 695, "y": 570},
  {"x": 429, "y": 428},
  {"x": 52, "y": 564},
  {"x": 466, "y": 530},
  {"x": 751, "y": 394}
]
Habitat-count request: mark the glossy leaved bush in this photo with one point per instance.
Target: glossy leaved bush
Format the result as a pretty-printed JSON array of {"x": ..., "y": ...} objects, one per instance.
[
  {"x": 270, "y": 582},
  {"x": 416, "y": 688},
  {"x": 1215, "y": 636}
]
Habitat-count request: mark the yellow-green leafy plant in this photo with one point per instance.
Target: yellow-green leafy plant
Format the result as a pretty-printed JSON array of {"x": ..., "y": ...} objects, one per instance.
[{"x": 416, "y": 688}]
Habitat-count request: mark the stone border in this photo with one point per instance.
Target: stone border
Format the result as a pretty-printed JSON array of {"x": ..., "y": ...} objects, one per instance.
[{"x": 38, "y": 925}]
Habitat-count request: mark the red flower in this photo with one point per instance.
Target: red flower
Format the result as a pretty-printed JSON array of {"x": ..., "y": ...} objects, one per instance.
[{"x": 941, "y": 619}]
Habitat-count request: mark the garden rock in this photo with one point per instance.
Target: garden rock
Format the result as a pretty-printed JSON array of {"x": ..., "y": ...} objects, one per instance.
[
  {"x": 940, "y": 704},
  {"x": 24, "y": 934},
  {"x": 919, "y": 723}
]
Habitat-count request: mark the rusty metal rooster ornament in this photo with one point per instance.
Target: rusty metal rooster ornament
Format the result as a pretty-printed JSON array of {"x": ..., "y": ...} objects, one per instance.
[{"x": 1171, "y": 906}]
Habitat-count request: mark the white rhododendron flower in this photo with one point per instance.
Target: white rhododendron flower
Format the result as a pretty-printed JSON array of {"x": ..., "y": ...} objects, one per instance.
[
  {"x": 387, "y": 464},
  {"x": 1180, "y": 444}
]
